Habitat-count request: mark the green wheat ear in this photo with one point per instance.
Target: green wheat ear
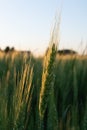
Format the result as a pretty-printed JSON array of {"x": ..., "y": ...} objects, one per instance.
[{"x": 48, "y": 79}]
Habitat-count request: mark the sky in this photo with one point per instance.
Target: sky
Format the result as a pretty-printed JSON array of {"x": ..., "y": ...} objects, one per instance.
[{"x": 27, "y": 24}]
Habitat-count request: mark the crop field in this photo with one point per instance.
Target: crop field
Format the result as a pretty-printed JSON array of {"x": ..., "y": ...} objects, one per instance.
[
  {"x": 43, "y": 64},
  {"x": 45, "y": 93}
]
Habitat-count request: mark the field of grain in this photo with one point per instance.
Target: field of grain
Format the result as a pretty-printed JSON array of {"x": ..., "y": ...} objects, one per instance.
[{"x": 44, "y": 93}]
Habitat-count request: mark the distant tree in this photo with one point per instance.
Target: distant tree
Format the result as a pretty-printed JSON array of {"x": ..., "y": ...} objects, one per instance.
[
  {"x": 66, "y": 52},
  {"x": 7, "y": 49},
  {"x": 12, "y": 49}
]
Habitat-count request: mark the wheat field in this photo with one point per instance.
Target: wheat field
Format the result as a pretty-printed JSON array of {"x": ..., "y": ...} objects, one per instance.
[{"x": 45, "y": 93}]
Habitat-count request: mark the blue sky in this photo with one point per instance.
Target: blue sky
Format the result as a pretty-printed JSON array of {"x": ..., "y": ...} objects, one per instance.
[{"x": 26, "y": 24}]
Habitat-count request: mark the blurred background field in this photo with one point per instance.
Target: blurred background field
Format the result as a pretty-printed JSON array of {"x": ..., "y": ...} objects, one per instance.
[{"x": 20, "y": 84}]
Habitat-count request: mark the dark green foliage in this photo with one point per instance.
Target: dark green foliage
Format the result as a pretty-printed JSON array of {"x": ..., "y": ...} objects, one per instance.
[
  {"x": 67, "y": 104},
  {"x": 7, "y": 49}
]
